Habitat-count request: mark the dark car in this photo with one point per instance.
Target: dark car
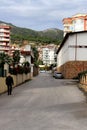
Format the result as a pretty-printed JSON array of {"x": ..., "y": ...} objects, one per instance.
[{"x": 58, "y": 75}]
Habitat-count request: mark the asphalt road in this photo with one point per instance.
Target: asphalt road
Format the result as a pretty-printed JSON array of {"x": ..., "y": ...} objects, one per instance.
[{"x": 44, "y": 103}]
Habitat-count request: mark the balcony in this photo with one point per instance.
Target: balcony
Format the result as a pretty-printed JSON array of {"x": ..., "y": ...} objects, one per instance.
[
  {"x": 3, "y": 44},
  {"x": 4, "y": 49},
  {"x": 4, "y": 31},
  {"x": 4, "y": 35},
  {"x": 67, "y": 25},
  {"x": 5, "y": 39}
]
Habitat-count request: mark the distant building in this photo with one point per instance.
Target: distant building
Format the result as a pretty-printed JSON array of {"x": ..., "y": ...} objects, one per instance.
[
  {"x": 4, "y": 37},
  {"x": 46, "y": 58},
  {"x": 48, "y": 55},
  {"x": 75, "y": 23},
  {"x": 71, "y": 55},
  {"x": 26, "y": 54},
  {"x": 40, "y": 52}
]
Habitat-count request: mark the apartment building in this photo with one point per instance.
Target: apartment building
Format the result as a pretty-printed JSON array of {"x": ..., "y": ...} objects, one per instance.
[
  {"x": 4, "y": 37},
  {"x": 48, "y": 55},
  {"x": 75, "y": 23}
]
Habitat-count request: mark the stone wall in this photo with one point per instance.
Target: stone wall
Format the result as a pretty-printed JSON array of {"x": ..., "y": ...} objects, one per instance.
[
  {"x": 72, "y": 68},
  {"x": 18, "y": 79}
]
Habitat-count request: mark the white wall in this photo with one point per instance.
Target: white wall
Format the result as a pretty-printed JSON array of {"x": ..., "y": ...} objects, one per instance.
[
  {"x": 28, "y": 47},
  {"x": 69, "y": 51},
  {"x": 82, "y": 41},
  {"x": 48, "y": 56},
  {"x": 78, "y": 25},
  {"x": 28, "y": 58},
  {"x": 72, "y": 42},
  {"x": 63, "y": 55},
  {"x": 22, "y": 59},
  {"x": 51, "y": 56}
]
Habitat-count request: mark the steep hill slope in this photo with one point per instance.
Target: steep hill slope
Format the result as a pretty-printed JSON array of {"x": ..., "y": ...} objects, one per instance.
[{"x": 18, "y": 35}]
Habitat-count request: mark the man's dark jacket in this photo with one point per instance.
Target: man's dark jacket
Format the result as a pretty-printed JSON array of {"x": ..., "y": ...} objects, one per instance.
[{"x": 9, "y": 80}]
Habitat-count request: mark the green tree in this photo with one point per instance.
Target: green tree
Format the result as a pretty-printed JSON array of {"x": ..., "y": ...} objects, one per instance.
[
  {"x": 16, "y": 57},
  {"x": 40, "y": 62},
  {"x": 5, "y": 58},
  {"x": 36, "y": 55}
]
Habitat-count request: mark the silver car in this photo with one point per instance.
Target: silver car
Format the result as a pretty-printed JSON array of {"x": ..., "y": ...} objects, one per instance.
[{"x": 58, "y": 75}]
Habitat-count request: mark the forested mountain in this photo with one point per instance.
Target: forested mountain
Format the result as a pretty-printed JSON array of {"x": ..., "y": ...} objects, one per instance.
[{"x": 18, "y": 35}]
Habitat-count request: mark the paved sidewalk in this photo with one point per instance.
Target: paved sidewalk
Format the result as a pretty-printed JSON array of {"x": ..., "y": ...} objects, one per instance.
[{"x": 44, "y": 103}]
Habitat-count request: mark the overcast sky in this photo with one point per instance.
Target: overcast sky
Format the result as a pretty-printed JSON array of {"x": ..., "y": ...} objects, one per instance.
[{"x": 40, "y": 14}]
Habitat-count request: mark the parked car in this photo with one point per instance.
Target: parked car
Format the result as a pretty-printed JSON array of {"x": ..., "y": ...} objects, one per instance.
[
  {"x": 42, "y": 71},
  {"x": 57, "y": 75}
]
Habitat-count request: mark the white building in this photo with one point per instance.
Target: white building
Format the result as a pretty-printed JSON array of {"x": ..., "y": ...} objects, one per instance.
[
  {"x": 48, "y": 56},
  {"x": 75, "y": 23},
  {"x": 71, "y": 55},
  {"x": 27, "y": 55}
]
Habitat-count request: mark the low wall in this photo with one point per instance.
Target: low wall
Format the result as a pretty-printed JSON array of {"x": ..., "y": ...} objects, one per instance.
[
  {"x": 83, "y": 83},
  {"x": 18, "y": 79}
]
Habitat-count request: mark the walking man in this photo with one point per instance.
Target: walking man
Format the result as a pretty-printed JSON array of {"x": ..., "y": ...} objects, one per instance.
[{"x": 9, "y": 82}]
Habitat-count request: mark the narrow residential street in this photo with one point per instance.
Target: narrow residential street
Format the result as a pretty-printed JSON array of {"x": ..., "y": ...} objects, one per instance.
[{"x": 44, "y": 103}]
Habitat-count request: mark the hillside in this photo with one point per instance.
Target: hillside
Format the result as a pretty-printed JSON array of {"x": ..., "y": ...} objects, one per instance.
[{"x": 18, "y": 35}]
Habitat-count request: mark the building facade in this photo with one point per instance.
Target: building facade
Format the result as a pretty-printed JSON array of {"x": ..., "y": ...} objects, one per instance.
[
  {"x": 4, "y": 37},
  {"x": 71, "y": 55},
  {"x": 48, "y": 55},
  {"x": 75, "y": 23}
]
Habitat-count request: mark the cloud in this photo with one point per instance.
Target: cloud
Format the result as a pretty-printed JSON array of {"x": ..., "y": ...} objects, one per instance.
[{"x": 38, "y": 14}]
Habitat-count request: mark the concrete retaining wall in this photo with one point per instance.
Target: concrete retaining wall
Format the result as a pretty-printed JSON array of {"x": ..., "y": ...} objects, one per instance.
[{"x": 18, "y": 79}]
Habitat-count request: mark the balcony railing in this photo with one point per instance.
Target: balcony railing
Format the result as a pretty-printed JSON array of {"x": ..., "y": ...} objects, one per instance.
[
  {"x": 4, "y": 35},
  {"x": 4, "y": 30},
  {"x": 4, "y": 39}
]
